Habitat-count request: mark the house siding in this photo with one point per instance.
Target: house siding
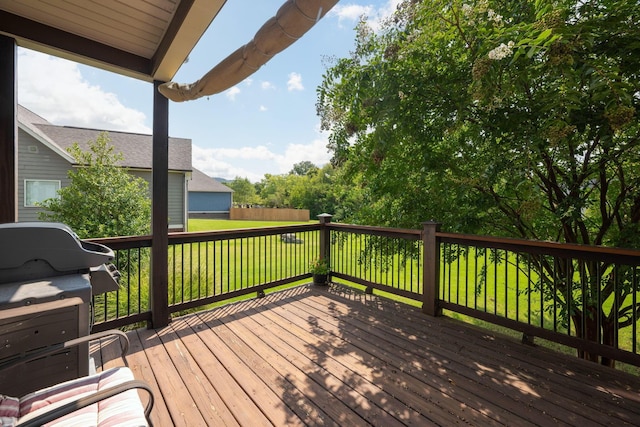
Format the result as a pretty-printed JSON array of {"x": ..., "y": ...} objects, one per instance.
[
  {"x": 40, "y": 162},
  {"x": 177, "y": 200},
  {"x": 176, "y": 187},
  {"x": 205, "y": 202},
  {"x": 37, "y": 161}
]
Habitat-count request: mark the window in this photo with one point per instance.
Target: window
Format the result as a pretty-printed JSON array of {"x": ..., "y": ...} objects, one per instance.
[{"x": 39, "y": 190}]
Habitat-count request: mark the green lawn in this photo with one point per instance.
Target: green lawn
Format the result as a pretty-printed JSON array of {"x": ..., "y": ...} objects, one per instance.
[
  {"x": 499, "y": 296},
  {"x": 223, "y": 224}
]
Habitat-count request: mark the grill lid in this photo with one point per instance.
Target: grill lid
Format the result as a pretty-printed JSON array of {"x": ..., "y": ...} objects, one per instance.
[{"x": 54, "y": 243}]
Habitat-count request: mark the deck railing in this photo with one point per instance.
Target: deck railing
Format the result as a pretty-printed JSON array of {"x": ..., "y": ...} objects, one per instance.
[
  {"x": 389, "y": 260},
  {"x": 580, "y": 296},
  {"x": 208, "y": 267},
  {"x": 563, "y": 293},
  {"x": 205, "y": 268},
  {"x": 129, "y": 304}
]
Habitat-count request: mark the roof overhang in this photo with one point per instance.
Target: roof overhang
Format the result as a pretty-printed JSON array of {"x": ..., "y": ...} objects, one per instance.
[{"x": 147, "y": 40}]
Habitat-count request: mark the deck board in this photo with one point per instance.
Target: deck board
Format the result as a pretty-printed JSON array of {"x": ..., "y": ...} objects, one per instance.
[
  {"x": 334, "y": 356},
  {"x": 346, "y": 401},
  {"x": 362, "y": 373},
  {"x": 239, "y": 392},
  {"x": 141, "y": 366},
  {"x": 457, "y": 376}
]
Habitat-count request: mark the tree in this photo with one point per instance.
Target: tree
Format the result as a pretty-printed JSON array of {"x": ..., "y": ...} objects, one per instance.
[
  {"x": 244, "y": 192},
  {"x": 315, "y": 191},
  {"x": 305, "y": 187},
  {"x": 274, "y": 190},
  {"x": 103, "y": 199},
  {"x": 303, "y": 168},
  {"x": 511, "y": 118}
]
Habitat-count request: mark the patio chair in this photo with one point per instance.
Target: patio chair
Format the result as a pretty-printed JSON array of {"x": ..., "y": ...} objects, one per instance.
[{"x": 104, "y": 398}]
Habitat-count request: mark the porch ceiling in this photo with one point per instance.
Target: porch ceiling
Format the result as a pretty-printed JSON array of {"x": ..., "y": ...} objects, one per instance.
[{"x": 144, "y": 39}]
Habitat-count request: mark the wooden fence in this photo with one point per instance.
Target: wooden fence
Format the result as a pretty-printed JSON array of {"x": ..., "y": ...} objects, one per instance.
[{"x": 269, "y": 214}]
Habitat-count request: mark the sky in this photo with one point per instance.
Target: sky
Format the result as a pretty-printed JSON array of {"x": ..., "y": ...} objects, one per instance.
[{"x": 263, "y": 125}]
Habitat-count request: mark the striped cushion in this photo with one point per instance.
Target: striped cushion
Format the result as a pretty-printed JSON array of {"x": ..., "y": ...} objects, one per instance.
[
  {"x": 9, "y": 410},
  {"x": 124, "y": 409}
]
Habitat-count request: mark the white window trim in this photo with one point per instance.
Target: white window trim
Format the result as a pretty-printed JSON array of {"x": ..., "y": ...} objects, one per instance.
[{"x": 38, "y": 180}]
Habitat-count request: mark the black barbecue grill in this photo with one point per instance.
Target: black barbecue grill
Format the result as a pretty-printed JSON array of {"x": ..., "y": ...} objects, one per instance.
[{"x": 47, "y": 279}]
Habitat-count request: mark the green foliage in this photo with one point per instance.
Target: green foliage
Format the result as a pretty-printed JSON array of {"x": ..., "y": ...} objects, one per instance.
[
  {"x": 303, "y": 168},
  {"x": 315, "y": 191},
  {"x": 244, "y": 192},
  {"x": 103, "y": 199},
  {"x": 510, "y": 118},
  {"x": 319, "y": 266},
  {"x": 274, "y": 190},
  {"x": 305, "y": 187}
]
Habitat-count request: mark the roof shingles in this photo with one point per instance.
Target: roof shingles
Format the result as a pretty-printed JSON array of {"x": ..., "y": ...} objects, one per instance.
[
  {"x": 201, "y": 182},
  {"x": 136, "y": 148}
]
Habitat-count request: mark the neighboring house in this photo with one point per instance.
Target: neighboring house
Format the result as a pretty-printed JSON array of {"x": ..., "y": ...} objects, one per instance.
[
  {"x": 43, "y": 163},
  {"x": 208, "y": 198}
]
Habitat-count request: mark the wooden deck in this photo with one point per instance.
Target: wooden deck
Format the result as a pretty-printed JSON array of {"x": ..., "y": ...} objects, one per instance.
[{"x": 336, "y": 357}]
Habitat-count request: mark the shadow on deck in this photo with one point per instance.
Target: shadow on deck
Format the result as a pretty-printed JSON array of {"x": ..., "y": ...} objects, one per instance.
[{"x": 334, "y": 356}]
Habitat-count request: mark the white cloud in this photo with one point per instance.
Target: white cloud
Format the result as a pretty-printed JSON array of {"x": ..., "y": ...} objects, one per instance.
[
  {"x": 245, "y": 161},
  {"x": 353, "y": 12},
  {"x": 294, "y": 82},
  {"x": 232, "y": 92},
  {"x": 316, "y": 152},
  {"x": 350, "y": 12},
  {"x": 267, "y": 85},
  {"x": 388, "y": 9},
  {"x": 55, "y": 89},
  {"x": 263, "y": 108},
  {"x": 220, "y": 169},
  {"x": 260, "y": 152},
  {"x": 231, "y": 162}
]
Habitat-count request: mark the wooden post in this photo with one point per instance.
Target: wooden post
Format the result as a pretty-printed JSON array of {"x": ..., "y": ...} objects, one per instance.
[
  {"x": 431, "y": 268},
  {"x": 325, "y": 240},
  {"x": 159, "y": 293},
  {"x": 8, "y": 130}
]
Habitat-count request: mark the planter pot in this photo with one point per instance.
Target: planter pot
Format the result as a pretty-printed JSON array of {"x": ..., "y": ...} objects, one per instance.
[{"x": 320, "y": 279}]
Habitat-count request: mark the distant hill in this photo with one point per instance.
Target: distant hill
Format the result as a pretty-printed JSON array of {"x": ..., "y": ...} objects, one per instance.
[{"x": 222, "y": 180}]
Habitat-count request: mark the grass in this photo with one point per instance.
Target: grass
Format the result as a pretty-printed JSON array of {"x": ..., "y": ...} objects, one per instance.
[
  {"x": 501, "y": 296},
  {"x": 224, "y": 224},
  {"x": 207, "y": 268},
  {"x": 479, "y": 282},
  {"x": 203, "y": 269},
  {"x": 498, "y": 287},
  {"x": 221, "y": 224}
]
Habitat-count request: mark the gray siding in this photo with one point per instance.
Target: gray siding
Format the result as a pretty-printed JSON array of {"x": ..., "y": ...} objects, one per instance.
[
  {"x": 177, "y": 199},
  {"x": 37, "y": 161},
  {"x": 175, "y": 193},
  {"x": 40, "y": 162}
]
